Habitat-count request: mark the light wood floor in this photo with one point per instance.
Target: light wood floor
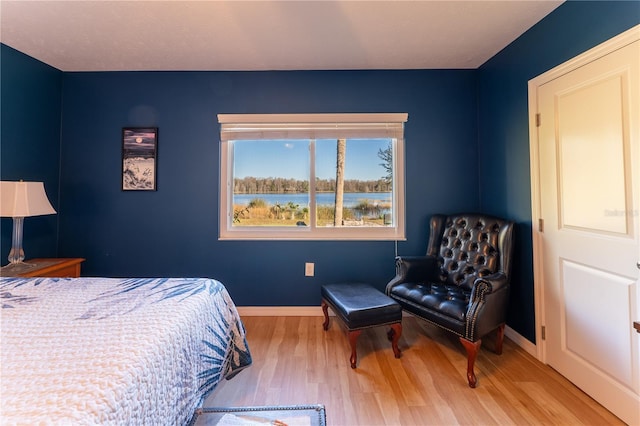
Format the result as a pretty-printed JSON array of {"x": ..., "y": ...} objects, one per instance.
[{"x": 296, "y": 362}]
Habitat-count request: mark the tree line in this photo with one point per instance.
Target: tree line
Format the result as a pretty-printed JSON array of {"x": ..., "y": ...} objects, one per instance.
[{"x": 278, "y": 185}]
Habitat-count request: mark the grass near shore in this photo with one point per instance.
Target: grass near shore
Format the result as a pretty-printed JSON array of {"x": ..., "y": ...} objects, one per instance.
[{"x": 260, "y": 213}]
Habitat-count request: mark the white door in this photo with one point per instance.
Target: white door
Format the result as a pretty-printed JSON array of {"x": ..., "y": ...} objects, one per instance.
[{"x": 589, "y": 185}]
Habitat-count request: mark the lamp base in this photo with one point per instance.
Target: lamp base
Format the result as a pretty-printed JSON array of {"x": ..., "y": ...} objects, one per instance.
[
  {"x": 16, "y": 268},
  {"x": 16, "y": 255}
]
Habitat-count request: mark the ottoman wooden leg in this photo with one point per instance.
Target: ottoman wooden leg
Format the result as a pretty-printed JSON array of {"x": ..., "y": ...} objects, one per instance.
[
  {"x": 325, "y": 309},
  {"x": 394, "y": 335},
  {"x": 353, "y": 339}
]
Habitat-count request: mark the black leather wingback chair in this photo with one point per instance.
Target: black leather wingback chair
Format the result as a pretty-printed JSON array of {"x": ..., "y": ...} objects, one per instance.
[{"x": 462, "y": 284}]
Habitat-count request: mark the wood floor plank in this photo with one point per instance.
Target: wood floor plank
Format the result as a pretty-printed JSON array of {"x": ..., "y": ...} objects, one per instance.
[{"x": 296, "y": 362}]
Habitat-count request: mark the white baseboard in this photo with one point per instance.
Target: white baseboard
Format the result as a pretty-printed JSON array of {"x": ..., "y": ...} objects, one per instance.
[
  {"x": 316, "y": 311},
  {"x": 280, "y": 311},
  {"x": 521, "y": 341}
]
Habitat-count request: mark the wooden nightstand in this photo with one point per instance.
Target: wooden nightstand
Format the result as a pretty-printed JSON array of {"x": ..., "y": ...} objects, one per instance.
[{"x": 44, "y": 268}]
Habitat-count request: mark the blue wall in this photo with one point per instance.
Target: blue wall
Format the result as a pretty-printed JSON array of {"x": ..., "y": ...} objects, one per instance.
[
  {"x": 505, "y": 183},
  {"x": 30, "y": 143},
  {"x": 173, "y": 232}
]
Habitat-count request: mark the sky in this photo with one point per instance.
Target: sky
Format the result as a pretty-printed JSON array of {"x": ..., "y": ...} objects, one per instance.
[{"x": 289, "y": 159}]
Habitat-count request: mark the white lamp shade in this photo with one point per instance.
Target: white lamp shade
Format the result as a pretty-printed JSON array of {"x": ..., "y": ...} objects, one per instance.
[{"x": 23, "y": 199}]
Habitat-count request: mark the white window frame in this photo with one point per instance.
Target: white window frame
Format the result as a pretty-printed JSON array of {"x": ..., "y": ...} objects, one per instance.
[{"x": 310, "y": 126}]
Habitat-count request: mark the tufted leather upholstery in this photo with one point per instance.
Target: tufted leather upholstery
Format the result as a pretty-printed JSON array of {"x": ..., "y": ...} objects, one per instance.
[{"x": 462, "y": 284}]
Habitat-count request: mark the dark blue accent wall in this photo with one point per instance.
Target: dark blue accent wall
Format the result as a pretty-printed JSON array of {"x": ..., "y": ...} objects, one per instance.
[
  {"x": 505, "y": 185},
  {"x": 467, "y": 148},
  {"x": 173, "y": 232},
  {"x": 30, "y": 112}
]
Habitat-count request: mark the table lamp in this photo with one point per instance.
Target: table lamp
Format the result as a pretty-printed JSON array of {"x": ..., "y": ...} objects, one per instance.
[{"x": 19, "y": 200}]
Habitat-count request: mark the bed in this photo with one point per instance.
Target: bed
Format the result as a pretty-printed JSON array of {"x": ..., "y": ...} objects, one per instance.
[{"x": 115, "y": 351}]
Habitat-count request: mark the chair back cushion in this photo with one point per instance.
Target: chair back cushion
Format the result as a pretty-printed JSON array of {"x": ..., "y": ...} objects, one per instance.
[{"x": 467, "y": 247}]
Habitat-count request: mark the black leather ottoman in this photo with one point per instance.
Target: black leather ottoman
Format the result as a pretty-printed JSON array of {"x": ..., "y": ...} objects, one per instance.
[{"x": 361, "y": 306}]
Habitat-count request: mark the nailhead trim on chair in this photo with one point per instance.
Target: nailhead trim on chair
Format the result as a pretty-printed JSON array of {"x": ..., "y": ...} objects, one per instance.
[
  {"x": 471, "y": 324},
  {"x": 408, "y": 302},
  {"x": 437, "y": 325}
]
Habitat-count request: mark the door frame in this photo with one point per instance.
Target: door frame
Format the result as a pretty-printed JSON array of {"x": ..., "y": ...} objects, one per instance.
[{"x": 615, "y": 43}]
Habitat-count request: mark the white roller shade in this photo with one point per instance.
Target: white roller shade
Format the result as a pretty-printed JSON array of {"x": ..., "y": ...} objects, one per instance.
[{"x": 310, "y": 126}]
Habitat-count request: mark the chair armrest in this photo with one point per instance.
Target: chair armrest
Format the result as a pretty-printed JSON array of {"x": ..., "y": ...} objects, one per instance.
[
  {"x": 488, "y": 305},
  {"x": 490, "y": 284},
  {"x": 413, "y": 269}
]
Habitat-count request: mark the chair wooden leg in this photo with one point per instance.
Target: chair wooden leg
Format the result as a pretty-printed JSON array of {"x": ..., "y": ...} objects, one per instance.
[
  {"x": 500, "y": 339},
  {"x": 353, "y": 339},
  {"x": 325, "y": 309},
  {"x": 472, "y": 349}
]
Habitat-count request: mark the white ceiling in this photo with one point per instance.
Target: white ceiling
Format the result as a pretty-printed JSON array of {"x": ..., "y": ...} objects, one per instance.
[{"x": 94, "y": 35}]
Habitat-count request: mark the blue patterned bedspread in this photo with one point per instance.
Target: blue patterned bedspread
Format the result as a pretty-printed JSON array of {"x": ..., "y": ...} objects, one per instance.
[{"x": 114, "y": 351}]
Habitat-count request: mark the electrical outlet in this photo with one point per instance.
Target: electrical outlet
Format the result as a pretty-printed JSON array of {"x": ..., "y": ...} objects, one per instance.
[{"x": 309, "y": 269}]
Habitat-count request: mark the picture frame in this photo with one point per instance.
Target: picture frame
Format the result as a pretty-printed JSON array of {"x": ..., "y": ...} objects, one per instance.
[{"x": 139, "y": 158}]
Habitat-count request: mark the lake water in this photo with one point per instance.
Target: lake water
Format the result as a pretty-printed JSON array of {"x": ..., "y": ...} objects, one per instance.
[{"x": 351, "y": 199}]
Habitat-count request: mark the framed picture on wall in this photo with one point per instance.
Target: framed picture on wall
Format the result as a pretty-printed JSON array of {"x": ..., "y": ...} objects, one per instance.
[{"x": 139, "y": 158}]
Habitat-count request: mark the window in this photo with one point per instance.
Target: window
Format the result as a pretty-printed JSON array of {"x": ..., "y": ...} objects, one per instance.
[{"x": 312, "y": 176}]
